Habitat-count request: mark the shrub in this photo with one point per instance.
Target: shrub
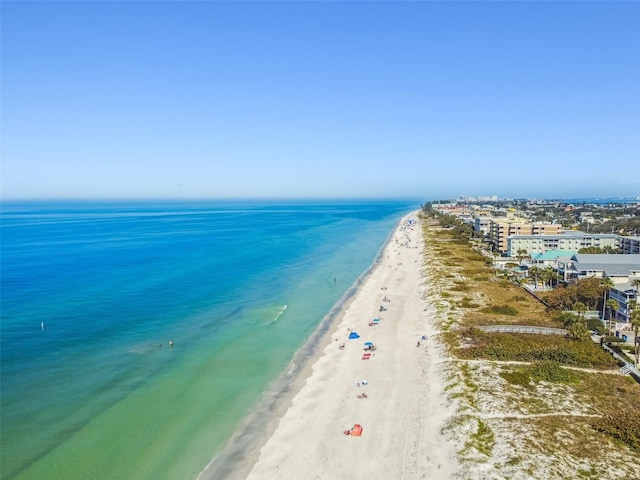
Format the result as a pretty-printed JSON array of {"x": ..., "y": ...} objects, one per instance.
[
  {"x": 517, "y": 377},
  {"x": 501, "y": 310},
  {"x": 551, "y": 371},
  {"x": 612, "y": 339},
  {"x": 622, "y": 425},
  {"x": 541, "y": 371},
  {"x": 483, "y": 439},
  {"x": 533, "y": 348},
  {"x": 595, "y": 324},
  {"x": 467, "y": 303},
  {"x": 565, "y": 318}
]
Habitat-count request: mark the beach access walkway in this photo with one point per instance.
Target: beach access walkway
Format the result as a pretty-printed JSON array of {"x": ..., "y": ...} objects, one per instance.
[{"x": 523, "y": 329}]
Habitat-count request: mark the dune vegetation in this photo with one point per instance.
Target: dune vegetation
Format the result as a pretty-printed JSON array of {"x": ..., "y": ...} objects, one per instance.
[{"x": 528, "y": 405}]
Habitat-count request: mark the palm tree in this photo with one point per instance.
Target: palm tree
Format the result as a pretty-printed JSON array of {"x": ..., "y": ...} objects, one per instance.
[
  {"x": 580, "y": 308},
  {"x": 634, "y": 317},
  {"x": 544, "y": 276},
  {"x": 613, "y": 306},
  {"x": 608, "y": 284},
  {"x": 535, "y": 271},
  {"x": 548, "y": 275},
  {"x": 553, "y": 275},
  {"x": 522, "y": 254}
]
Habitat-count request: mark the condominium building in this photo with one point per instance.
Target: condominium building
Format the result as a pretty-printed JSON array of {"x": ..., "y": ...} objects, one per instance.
[
  {"x": 482, "y": 224},
  {"x": 624, "y": 294},
  {"x": 501, "y": 232},
  {"x": 572, "y": 240},
  {"x": 630, "y": 244}
]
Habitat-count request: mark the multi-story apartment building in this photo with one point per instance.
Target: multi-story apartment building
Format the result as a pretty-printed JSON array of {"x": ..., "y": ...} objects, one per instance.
[
  {"x": 625, "y": 294},
  {"x": 546, "y": 229},
  {"x": 572, "y": 240},
  {"x": 482, "y": 224},
  {"x": 501, "y": 232},
  {"x": 630, "y": 244}
]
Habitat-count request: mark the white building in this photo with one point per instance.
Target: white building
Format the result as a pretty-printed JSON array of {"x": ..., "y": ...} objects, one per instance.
[
  {"x": 570, "y": 240},
  {"x": 630, "y": 244},
  {"x": 619, "y": 268}
]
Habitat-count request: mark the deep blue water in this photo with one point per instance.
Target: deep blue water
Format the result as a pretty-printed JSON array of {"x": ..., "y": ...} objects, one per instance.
[{"x": 238, "y": 287}]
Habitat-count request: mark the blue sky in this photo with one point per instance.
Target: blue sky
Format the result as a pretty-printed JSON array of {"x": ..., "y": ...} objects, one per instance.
[{"x": 320, "y": 99}]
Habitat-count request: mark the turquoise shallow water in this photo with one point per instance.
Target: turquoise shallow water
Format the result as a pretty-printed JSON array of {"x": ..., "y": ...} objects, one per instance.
[{"x": 238, "y": 287}]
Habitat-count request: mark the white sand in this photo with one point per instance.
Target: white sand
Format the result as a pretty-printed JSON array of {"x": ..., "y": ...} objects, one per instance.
[{"x": 406, "y": 406}]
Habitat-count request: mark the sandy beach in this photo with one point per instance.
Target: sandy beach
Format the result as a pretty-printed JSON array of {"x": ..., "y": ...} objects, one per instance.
[{"x": 405, "y": 407}]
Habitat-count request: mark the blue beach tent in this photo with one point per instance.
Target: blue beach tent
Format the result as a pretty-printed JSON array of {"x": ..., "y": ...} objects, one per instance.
[{"x": 353, "y": 335}]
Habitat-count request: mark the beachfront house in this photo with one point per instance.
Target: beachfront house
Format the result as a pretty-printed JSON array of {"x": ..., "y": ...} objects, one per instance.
[
  {"x": 624, "y": 294},
  {"x": 550, "y": 258},
  {"x": 619, "y": 268}
]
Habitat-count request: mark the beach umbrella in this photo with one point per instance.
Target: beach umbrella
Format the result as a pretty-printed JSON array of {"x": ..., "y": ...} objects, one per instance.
[
  {"x": 353, "y": 335},
  {"x": 356, "y": 430},
  {"x": 368, "y": 344}
]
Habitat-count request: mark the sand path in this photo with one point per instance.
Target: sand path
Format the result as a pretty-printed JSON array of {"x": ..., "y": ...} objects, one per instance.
[{"x": 406, "y": 407}]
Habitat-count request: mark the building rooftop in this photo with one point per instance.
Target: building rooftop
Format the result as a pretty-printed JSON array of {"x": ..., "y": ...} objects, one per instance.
[
  {"x": 613, "y": 264},
  {"x": 625, "y": 287},
  {"x": 608, "y": 258}
]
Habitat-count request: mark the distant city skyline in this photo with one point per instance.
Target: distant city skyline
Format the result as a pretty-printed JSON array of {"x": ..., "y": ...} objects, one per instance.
[
  {"x": 277, "y": 100},
  {"x": 496, "y": 198}
]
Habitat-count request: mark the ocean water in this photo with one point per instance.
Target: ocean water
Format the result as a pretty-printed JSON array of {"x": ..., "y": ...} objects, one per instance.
[{"x": 92, "y": 294}]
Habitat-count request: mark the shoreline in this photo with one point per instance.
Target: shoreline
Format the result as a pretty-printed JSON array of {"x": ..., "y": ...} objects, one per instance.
[
  {"x": 302, "y": 416},
  {"x": 242, "y": 450}
]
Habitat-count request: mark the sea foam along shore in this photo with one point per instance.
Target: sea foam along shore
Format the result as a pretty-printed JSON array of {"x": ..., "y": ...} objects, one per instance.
[{"x": 403, "y": 378}]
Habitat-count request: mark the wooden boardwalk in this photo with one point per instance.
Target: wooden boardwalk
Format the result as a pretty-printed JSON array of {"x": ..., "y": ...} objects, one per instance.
[{"x": 524, "y": 329}]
